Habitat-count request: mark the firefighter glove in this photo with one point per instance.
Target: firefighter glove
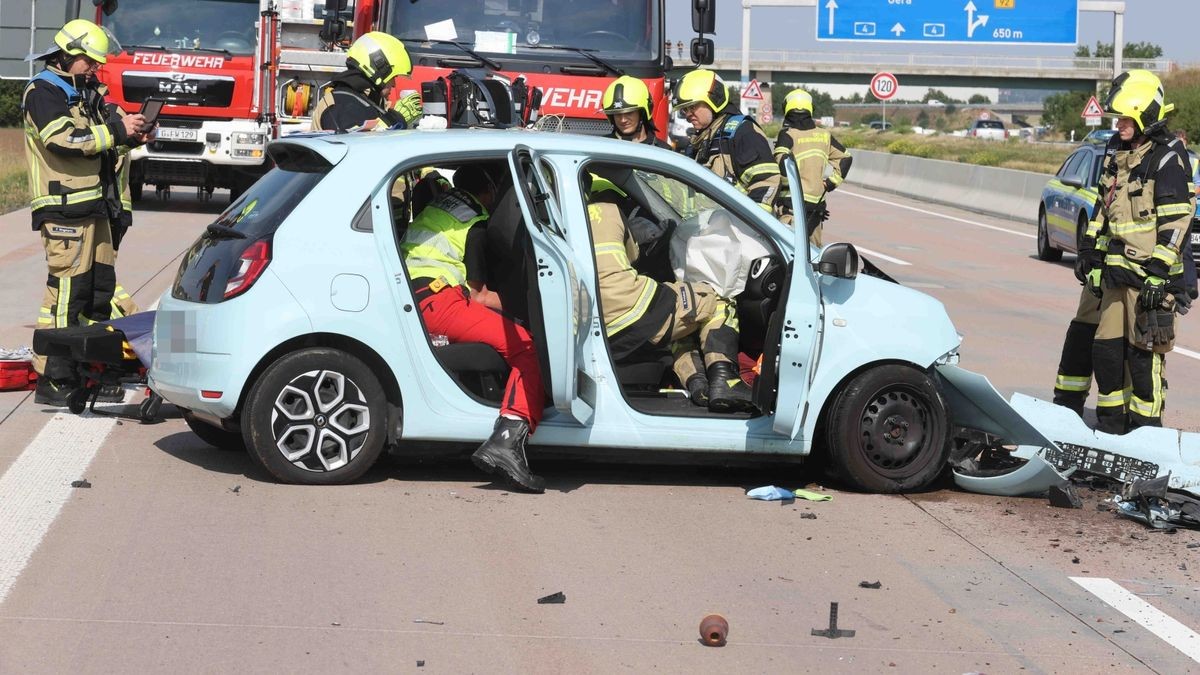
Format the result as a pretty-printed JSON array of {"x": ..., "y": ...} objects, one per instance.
[
  {"x": 1155, "y": 327},
  {"x": 1154, "y": 291},
  {"x": 1183, "y": 303},
  {"x": 409, "y": 107},
  {"x": 1092, "y": 281}
]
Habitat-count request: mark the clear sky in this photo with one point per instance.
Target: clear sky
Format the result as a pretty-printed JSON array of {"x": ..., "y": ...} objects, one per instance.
[{"x": 1172, "y": 24}]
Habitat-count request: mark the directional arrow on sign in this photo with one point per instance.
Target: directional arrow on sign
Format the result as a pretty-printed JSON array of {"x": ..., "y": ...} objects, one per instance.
[
  {"x": 898, "y": 29},
  {"x": 972, "y": 22},
  {"x": 831, "y": 6}
]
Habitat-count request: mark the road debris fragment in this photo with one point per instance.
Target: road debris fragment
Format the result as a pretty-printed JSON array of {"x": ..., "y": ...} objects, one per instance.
[
  {"x": 81, "y": 483},
  {"x": 870, "y": 584},
  {"x": 1064, "y": 497},
  {"x": 435, "y": 623},
  {"x": 808, "y": 515},
  {"x": 553, "y": 599},
  {"x": 833, "y": 632},
  {"x": 714, "y": 629}
]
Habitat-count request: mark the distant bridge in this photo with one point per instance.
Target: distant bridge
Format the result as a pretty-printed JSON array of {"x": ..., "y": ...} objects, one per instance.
[{"x": 1052, "y": 73}]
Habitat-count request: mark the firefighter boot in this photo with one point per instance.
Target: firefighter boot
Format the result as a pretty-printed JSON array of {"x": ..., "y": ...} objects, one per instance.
[
  {"x": 1071, "y": 400},
  {"x": 726, "y": 390},
  {"x": 504, "y": 452},
  {"x": 1113, "y": 423},
  {"x": 697, "y": 388},
  {"x": 51, "y": 393}
]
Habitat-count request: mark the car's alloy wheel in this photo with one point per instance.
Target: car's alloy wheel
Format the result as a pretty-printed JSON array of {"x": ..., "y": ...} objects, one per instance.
[
  {"x": 887, "y": 430},
  {"x": 316, "y": 416},
  {"x": 1044, "y": 250}
]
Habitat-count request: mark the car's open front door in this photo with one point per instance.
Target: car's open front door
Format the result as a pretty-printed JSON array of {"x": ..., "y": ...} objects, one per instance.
[
  {"x": 564, "y": 300},
  {"x": 800, "y": 340}
]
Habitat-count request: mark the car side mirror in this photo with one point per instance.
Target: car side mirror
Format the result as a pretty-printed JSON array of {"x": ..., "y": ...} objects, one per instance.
[
  {"x": 1071, "y": 181},
  {"x": 839, "y": 260}
]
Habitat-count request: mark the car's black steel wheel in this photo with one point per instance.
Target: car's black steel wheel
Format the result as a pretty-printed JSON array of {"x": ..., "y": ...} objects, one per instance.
[
  {"x": 887, "y": 430},
  {"x": 1044, "y": 250},
  {"x": 215, "y": 436},
  {"x": 317, "y": 417}
]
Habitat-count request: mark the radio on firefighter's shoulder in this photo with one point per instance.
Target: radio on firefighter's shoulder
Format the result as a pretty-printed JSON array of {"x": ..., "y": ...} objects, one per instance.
[{"x": 151, "y": 107}]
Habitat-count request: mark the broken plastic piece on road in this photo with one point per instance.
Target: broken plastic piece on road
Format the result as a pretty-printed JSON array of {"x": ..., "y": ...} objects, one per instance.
[
  {"x": 808, "y": 515},
  {"x": 1064, "y": 497},
  {"x": 770, "y": 493},
  {"x": 435, "y": 623},
  {"x": 553, "y": 599},
  {"x": 420, "y": 663},
  {"x": 833, "y": 632},
  {"x": 714, "y": 629},
  {"x": 81, "y": 483},
  {"x": 870, "y": 584},
  {"x": 812, "y": 496}
]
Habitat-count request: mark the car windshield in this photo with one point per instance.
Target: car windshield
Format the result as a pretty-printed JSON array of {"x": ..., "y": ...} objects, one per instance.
[
  {"x": 615, "y": 29},
  {"x": 227, "y": 25},
  {"x": 989, "y": 124}
]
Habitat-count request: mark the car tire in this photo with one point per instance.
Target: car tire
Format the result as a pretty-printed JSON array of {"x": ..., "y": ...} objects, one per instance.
[
  {"x": 1044, "y": 250},
  {"x": 887, "y": 430},
  {"x": 317, "y": 416},
  {"x": 215, "y": 436}
]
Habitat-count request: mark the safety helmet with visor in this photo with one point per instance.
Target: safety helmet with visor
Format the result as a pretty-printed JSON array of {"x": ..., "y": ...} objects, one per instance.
[
  {"x": 701, "y": 86},
  {"x": 80, "y": 37},
  {"x": 1138, "y": 95},
  {"x": 798, "y": 99},
  {"x": 380, "y": 57}
]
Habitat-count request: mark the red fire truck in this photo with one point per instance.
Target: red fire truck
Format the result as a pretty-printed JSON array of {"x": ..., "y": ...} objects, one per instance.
[
  {"x": 570, "y": 49},
  {"x": 201, "y": 57}
]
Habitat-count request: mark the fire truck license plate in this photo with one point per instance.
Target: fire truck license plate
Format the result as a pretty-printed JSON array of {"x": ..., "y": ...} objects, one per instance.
[{"x": 168, "y": 134}]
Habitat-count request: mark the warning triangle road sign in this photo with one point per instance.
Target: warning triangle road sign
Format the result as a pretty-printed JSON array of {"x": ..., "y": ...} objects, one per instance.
[
  {"x": 752, "y": 91},
  {"x": 1092, "y": 109}
]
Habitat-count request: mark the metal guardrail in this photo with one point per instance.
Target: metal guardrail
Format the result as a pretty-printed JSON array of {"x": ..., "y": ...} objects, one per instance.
[{"x": 790, "y": 60}]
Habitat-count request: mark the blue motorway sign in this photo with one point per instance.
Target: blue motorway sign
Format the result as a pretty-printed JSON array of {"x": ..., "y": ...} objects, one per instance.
[{"x": 949, "y": 21}]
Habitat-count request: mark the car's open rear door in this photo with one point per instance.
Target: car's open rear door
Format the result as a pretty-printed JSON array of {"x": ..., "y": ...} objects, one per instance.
[{"x": 565, "y": 305}]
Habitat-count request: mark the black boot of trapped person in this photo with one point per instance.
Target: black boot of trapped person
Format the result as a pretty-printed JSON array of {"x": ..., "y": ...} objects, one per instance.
[
  {"x": 53, "y": 393},
  {"x": 726, "y": 390},
  {"x": 1114, "y": 423},
  {"x": 504, "y": 452}
]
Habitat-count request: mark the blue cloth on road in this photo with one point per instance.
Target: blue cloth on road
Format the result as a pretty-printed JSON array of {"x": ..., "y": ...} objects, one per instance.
[{"x": 770, "y": 493}]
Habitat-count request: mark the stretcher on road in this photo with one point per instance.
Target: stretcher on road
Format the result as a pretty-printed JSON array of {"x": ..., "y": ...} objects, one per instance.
[{"x": 108, "y": 353}]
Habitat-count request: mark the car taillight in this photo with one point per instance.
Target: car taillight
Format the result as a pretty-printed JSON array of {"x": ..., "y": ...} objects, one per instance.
[{"x": 251, "y": 264}]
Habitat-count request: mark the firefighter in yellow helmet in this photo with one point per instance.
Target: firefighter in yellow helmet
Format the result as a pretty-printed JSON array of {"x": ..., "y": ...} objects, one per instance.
[
  {"x": 727, "y": 142},
  {"x": 628, "y": 106},
  {"x": 1147, "y": 203},
  {"x": 814, "y": 149},
  {"x": 72, "y": 146},
  {"x": 357, "y": 98}
]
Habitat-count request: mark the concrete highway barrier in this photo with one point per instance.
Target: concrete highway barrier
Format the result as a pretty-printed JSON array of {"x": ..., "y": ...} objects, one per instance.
[{"x": 1005, "y": 193}]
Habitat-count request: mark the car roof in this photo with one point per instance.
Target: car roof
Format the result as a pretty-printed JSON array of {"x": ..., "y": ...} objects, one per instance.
[{"x": 390, "y": 146}]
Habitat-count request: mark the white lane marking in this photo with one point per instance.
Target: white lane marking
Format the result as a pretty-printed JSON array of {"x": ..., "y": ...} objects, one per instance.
[
  {"x": 877, "y": 254},
  {"x": 1186, "y": 352},
  {"x": 1166, "y": 628},
  {"x": 939, "y": 215},
  {"x": 38, "y": 484}
]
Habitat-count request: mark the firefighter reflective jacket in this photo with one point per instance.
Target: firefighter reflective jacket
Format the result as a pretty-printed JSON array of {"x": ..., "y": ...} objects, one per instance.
[
  {"x": 70, "y": 145},
  {"x": 346, "y": 105},
  {"x": 814, "y": 149},
  {"x": 1145, "y": 210},
  {"x": 435, "y": 245},
  {"x": 633, "y": 305},
  {"x": 735, "y": 148}
]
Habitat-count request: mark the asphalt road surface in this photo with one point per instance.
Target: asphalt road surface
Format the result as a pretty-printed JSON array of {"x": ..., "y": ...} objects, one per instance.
[{"x": 183, "y": 558}]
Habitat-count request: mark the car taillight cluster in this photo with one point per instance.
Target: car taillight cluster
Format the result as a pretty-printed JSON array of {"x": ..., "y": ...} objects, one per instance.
[{"x": 251, "y": 264}]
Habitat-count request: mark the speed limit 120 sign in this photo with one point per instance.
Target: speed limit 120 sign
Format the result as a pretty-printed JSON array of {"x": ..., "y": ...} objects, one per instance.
[{"x": 884, "y": 86}]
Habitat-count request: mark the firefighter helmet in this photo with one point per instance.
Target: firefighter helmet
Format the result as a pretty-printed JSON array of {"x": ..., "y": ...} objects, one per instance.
[
  {"x": 81, "y": 37},
  {"x": 798, "y": 99},
  {"x": 1138, "y": 94},
  {"x": 627, "y": 94},
  {"x": 701, "y": 86},
  {"x": 379, "y": 56}
]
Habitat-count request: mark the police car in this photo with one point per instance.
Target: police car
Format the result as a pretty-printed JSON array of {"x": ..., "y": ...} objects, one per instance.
[{"x": 292, "y": 329}]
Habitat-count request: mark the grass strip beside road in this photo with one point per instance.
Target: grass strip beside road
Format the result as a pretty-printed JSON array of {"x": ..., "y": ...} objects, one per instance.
[
  {"x": 1012, "y": 154},
  {"x": 14, "y": 185}
]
